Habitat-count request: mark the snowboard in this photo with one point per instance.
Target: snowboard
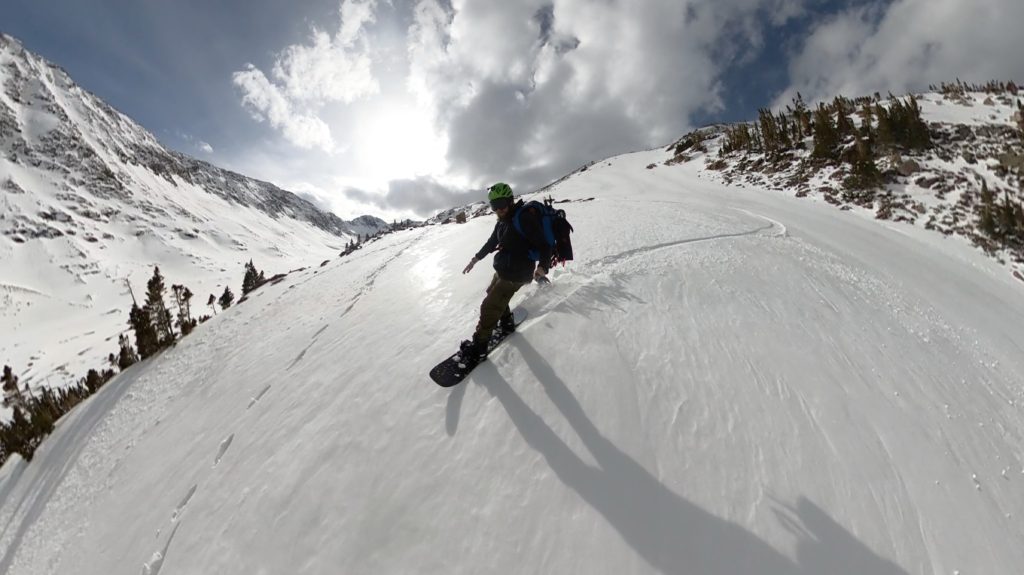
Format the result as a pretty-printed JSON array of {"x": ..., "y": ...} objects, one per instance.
[{"x": 454, "y": 369}]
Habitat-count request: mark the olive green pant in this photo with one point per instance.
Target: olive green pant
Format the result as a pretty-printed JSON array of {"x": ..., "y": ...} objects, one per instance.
[{"x": 495, "y": 305}]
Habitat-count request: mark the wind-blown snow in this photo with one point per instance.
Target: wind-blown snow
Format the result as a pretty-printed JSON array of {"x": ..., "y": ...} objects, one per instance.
[{"x": 725, "y": 381}]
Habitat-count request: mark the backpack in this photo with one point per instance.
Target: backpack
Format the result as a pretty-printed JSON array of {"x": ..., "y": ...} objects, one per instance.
[{"x": 556, "y": 231}]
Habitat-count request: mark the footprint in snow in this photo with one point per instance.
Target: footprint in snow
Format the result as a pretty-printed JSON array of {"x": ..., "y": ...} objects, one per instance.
[
  {"x": 156, "y": 561},
  {"x": 184, "y": 502},
  {"x": 258, "y": 397},
  {"x": 224, "y": 445}
]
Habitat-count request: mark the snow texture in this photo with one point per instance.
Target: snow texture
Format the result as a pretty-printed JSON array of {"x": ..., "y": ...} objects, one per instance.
[{"x": 725, "y": 381}]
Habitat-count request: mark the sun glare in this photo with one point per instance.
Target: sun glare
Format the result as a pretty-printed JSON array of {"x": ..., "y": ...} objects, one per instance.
[{"x": 398, "y": 141}]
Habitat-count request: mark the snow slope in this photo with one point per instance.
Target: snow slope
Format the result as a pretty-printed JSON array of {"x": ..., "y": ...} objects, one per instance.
[
  {"x": 726, "y": 381},
  {"x": 89, "y": 200}
]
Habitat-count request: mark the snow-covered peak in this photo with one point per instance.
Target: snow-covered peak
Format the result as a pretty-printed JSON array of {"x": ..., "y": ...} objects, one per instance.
[{"x": 91, "y": 200}]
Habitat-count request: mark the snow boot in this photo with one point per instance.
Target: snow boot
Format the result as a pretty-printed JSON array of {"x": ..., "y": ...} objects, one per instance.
[
  {"x": 507, "y": 323},
  {"x": 472, "y": 351}
]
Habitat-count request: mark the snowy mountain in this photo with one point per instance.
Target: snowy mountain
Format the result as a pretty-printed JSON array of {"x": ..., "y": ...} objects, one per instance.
[
  {"x": 725, "y": 381},
  {"x": 89, "y": 199}
]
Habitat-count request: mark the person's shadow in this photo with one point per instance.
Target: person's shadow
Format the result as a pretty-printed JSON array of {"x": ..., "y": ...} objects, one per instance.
[{"x": 672, "y": 534}]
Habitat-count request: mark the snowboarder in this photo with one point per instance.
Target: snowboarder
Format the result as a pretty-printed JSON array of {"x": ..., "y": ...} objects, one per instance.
[{"x": 513, "y": 267}]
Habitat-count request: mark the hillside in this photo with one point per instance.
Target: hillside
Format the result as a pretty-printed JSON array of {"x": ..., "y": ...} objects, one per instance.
[
  {"x": 950, "y": 160},
  {"x": 89, "y": 200},
  {"x": 725, "y": 381}
]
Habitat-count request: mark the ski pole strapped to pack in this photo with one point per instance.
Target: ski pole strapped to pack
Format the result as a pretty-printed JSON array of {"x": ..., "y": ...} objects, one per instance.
[{"x": 556, "y": 231}]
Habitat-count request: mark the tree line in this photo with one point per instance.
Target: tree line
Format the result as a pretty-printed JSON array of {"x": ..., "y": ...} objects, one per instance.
[
  {"x": 854, "y": 134},
  {"x": 835, "y": 138},
  {"x": 961, "y": 89},
  {"x": 359, "y": 240},
  {"x": 154, "y": 327}
]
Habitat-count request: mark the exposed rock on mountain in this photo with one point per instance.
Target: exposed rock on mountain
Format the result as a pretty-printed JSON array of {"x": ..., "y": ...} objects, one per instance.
[{"x": 90, "y": 199}]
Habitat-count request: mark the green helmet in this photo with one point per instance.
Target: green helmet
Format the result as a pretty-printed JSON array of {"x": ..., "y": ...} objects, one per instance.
[{"x": 499, "y": 191}]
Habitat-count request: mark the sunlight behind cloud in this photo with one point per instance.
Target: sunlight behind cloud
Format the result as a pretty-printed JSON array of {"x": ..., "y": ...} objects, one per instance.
[
  {"x": 455, "y": 93},
  {"x": 396, "y": 141}
]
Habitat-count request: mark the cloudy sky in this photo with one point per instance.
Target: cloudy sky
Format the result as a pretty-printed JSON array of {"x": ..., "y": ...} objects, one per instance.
[{"x": 401, "y": 108}]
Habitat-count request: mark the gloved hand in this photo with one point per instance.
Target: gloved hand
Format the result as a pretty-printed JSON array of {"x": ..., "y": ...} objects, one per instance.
[{"x": 472, "y": 262}]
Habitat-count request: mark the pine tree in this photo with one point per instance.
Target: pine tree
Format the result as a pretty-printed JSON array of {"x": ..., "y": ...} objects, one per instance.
[
  {"x": 770, "y": 132},
  {"x": 93, "y": 381},
  {"x": 186, "y": 296},
  {"x": 18, "y": 434},
  {"x": 226, "y": 298},
  {"x": 253, "y": 278},
  {"x": 865, "y": 174},
  {"x": 918, "y": 135},
  {"x": 126, "y": 357},
  {"x": 843, "y": 124},
  {"x": 250, "y": 279},
  {"x": 1008, "y": 221},
  {"x": 183, "y": 298},
  {"x": 146, "y": 338},
  {"x": 157, "y": 309},
  {"x": 987, "y": 222},
  {"x": 866, "y": 117},
  {"x": 756, "y": 139},
  {"x": 884, "y": 135},
  {"x": 826, "y": 138},
  {"x": 801, "y": 119},
  {"x": 786, "y": 138},
  {"x": 737, "y": 138},
  {"x": 210, "y": 302}
]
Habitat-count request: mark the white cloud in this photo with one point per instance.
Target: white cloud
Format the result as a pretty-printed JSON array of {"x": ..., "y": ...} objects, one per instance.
[
  {"x": 355, "y": 14},
  {"x": 306, "y": 77},
  {"x": 908, "y": 45},
  {"x": 527, "y": 90},
  {"x": 326, "y": 71},
  {"x": 194, "y": 142},
  {"x": 265, "y": 102}
]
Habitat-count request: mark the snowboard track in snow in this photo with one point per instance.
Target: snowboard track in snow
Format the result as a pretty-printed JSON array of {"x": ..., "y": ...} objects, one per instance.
[
  {"x": 302, "y": 353},
  {"x": 260, "y": 395},
  {"x": 622, "y": 256},
  {"x": 371, "y": 279},
  {"x": 362, "y": 291},
  {"x": 588, "y": 281}
]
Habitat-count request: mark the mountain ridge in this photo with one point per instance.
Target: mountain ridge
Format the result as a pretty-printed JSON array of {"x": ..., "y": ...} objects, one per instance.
[
  {"x": 130, "y": 144},
  {"x": 91, "y": 201}
]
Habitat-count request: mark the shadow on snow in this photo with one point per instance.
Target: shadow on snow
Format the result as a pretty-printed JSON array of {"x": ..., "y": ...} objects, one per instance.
[{"x": 672, "y": 534}]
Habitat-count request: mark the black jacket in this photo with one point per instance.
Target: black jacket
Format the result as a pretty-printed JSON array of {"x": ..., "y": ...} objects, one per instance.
[{"x": 512, "y": 262}]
